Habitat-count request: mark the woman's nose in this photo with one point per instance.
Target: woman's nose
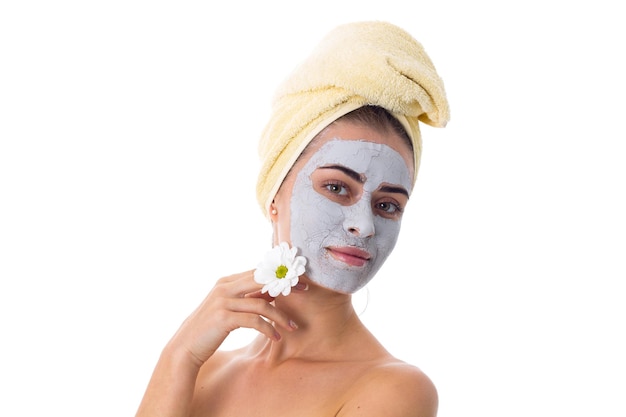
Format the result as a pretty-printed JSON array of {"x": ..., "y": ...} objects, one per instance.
[{"x": 359, "y": 220}]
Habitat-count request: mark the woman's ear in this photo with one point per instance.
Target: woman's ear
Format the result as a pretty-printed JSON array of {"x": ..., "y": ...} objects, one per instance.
[
  {"x": 273, "y": 212},
  {"x": 274, "y": 219}
]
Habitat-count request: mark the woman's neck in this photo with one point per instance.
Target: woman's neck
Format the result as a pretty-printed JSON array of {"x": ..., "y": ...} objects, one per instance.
[{"x": 327, "y": 327}]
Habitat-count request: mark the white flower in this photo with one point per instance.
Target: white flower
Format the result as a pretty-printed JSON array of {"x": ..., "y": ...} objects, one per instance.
[{"x": 280, "y": 270}]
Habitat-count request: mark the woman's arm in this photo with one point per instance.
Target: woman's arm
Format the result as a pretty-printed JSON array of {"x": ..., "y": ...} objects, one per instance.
[
  {"x": 234, "y": 302},
  {"x": 170, "y": 390}
]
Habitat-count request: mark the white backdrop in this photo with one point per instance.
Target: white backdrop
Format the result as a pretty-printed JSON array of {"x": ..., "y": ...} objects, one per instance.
[{"x": 128, "y": 137}]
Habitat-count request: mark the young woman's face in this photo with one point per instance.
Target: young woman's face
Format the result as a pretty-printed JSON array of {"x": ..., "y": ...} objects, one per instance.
[{"x": 342, "y": 203}]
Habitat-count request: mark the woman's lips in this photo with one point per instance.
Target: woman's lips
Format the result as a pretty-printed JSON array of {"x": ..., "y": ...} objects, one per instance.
[{"x": 349, "y": 254}]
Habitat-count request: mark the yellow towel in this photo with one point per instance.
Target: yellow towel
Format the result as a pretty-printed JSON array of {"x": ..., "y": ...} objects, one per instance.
[{"x": 356, "y": 64}]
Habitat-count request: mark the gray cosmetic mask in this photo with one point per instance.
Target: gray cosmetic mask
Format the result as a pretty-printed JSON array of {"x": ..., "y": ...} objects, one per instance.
[{"x": 318, "y": 223}]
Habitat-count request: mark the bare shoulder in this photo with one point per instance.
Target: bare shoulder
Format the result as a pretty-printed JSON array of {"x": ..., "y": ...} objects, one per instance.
[{"x": 393, "y": 389}]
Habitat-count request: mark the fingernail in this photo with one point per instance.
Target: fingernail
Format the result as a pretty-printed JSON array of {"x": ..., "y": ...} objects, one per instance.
[
  {"x": 303, "y": 286},
  {"x": 276, "y": 336},
  {"x": 293, "y": 324}
]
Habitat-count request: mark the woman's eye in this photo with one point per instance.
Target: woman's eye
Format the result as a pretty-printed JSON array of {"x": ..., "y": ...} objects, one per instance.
[
  {"x": 389, "y": 207},
  {"x": 336, "y": 188}
]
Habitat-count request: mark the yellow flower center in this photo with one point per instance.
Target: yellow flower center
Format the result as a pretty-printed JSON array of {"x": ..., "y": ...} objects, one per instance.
[{"x": 281, "y": 271}]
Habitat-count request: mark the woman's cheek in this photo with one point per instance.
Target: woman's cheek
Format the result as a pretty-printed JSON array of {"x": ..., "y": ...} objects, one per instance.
[{"x": 313, "y": 218}]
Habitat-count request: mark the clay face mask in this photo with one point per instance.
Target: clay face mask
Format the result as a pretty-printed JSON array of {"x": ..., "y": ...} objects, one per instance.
[{"x": 318, "y": 223}]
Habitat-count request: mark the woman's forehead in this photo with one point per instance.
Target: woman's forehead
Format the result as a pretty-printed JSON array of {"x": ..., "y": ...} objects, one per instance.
[{"x": 351, "y": 130}]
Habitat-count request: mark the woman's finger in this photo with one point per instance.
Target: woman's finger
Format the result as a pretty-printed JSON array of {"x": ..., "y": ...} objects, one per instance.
[
  {"x": 255, "y": 321},
  {"x": 258, "y": 294},
  {"x": 238, "y": 285},
  {"x": 262, "y": 308},
  {"x": 300, "y": 286}
]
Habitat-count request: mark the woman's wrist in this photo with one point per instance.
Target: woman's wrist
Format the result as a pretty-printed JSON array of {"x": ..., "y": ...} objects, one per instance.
[{"x": 180, "y": 357}]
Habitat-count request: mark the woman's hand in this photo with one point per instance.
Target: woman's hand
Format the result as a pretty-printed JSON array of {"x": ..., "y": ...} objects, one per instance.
[{"x": 235, "y": 301}]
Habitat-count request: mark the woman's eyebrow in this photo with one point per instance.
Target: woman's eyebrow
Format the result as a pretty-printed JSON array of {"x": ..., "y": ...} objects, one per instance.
[
  {"x": 394, "y": 189},
  {"x": 349, "y": 172}
]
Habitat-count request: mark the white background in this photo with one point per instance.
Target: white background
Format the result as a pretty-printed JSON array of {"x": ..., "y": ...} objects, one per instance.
[{"x": 128, "y": 162}]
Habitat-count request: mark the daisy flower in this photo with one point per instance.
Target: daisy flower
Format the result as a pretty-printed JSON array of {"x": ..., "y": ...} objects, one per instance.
[{"x": 280, "y": 269}]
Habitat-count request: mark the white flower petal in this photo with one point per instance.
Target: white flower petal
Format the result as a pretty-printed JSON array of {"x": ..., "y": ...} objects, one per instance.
[{"x": 265, "y": 273}]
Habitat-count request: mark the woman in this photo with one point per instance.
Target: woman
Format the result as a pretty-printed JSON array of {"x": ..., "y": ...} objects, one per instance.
[{"x": 340, "y": 157}]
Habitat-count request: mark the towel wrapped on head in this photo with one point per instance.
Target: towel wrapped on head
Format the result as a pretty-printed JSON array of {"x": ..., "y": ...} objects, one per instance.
[{"x": 356, "y": 64}]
